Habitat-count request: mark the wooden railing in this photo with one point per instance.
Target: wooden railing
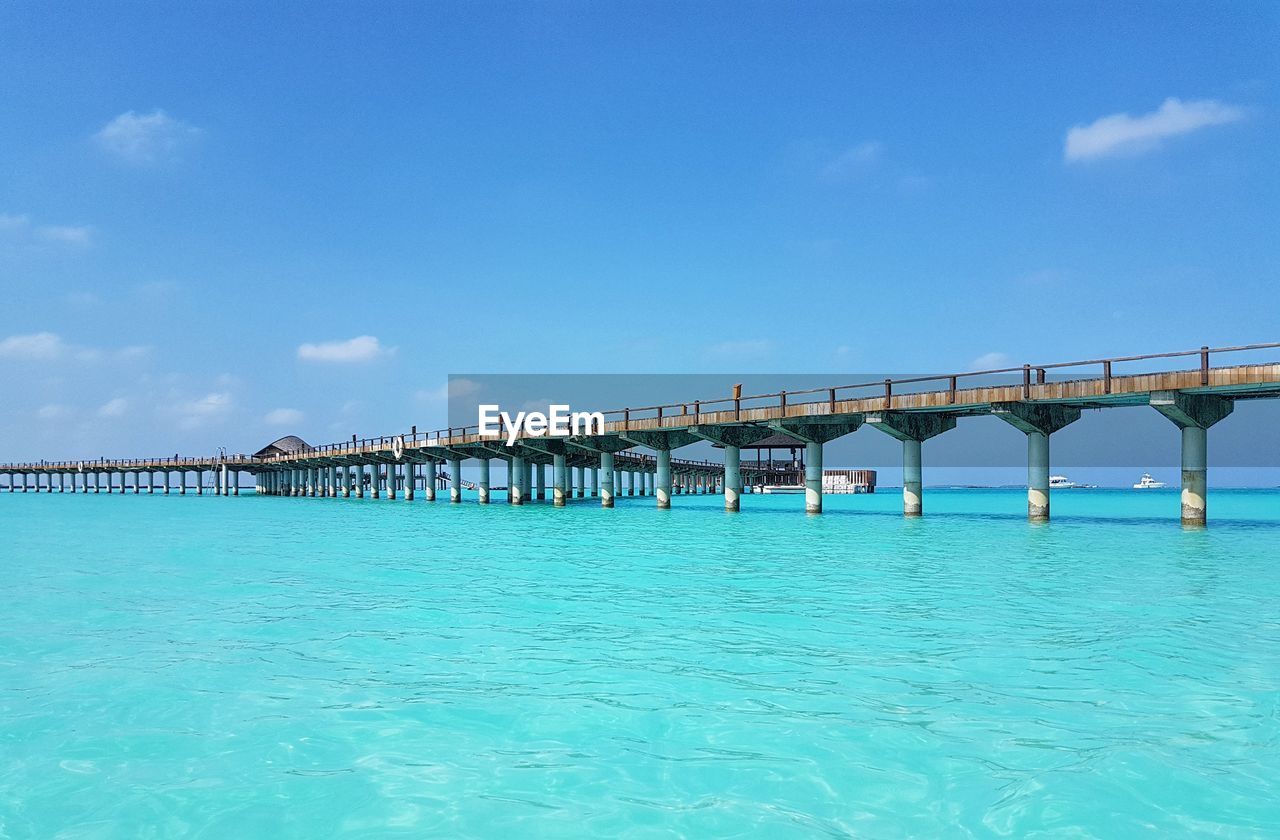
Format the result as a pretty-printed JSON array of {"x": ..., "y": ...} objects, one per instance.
[{"x": 693, "y": 409}]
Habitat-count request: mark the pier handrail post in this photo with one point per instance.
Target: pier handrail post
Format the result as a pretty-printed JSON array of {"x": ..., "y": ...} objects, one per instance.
[
  {"x": 831, "y": 401},
  {"x": 888, "y": 394},
  {"x": 1106, "y": 377},
  {"x": 697, "y": 410},
  {"x": 1204, "y": 364},
  {"x": 1039, "y": 376},
  {"x": 954, "y": 380},
  {"x": 1026, "y": 382},
  {"x": 782, "y": 397}
]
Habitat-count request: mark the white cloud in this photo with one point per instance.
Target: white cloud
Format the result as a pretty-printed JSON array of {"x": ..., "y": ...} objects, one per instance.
[
  {"x": 741, "y": 350},
  {"x": 456, "y": 387},
  {"x": 853, "y": 161},
  {"x": 53, "y": 411},
  {"x": 114, "y": 408},
  {"x": 48, "y": 347},
  {"x": 78, "y": 235},
  {"x": 19, "y": 227},
  {"x": 1122, "y": 134},
  {"x": 197, "y": 412},
  {"x": 283, "y": 417},
  {"x": 363, "y": 348},
  {"x": 40, "y": 346},
  {"x": 145, "y": 138},
  {"x": 991, "y": 361}
]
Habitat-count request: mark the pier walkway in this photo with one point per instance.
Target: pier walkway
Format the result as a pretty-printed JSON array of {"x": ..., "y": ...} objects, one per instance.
[{"x": 632, "y": 454}]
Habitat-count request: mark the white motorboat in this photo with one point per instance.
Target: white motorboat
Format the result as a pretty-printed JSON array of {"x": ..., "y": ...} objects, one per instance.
[
  {"x": 1148, "y": 483},
  {"x": 1061, "y": 482}
]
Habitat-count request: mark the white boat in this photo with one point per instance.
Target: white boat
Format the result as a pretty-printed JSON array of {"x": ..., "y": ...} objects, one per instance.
[
  {"x": 1148, "y": 483},
  {"x": 782, "y": 489},
  {"x": 1061, "y": 482}
]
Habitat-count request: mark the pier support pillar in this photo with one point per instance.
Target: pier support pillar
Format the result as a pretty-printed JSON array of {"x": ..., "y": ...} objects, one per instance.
[
  {"x": 912, "y": 430},
  {"x": 1193, "y": 414},
  {"x": 515, "y": 481},
  {"x": 1195, "y": 475},
  {"x": 540, "y": 473},
  {"x": 391, "y": 482},
  {"x": 409, "y": 480},
  {"x": 815, "y": 432},
  {"x": 375, "y": 481},
  {"x": 429, "y": 481},
  {"x": 595, "y": 482},
  {"x": 580, "y": 482},
  {"x": 151, "y": 483},
  {"x": 732, "y": 478},
  {"x": 455, "y": 480},
  {"x": 1037, "y": 476},
  {"x": 1037, "y": 421},
  {"x": 607, "y": 485},
  {"x": 912, "y": 479},
  {"x": 812, "y": 477},
  {"x": 168, "y": 479},
  {"x": 359, "y": 468},
  {"x": 663, "y": 488},
  {"x": 483, "y": 483},
  {"x": 559, "y": 478}
]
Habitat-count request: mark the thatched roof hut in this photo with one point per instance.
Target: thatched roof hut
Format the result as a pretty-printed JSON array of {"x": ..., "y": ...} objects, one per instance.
[{"x": 287, "y": 445}]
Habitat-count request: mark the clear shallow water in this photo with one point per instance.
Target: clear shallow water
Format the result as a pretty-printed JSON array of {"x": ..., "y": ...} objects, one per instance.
[{"x": 246, "y": 667}]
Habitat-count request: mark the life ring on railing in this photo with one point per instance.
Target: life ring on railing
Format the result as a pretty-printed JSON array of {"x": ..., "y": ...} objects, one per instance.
[
  {"x": 80, "y": 466},
  {"x": 397, "y": 446}
]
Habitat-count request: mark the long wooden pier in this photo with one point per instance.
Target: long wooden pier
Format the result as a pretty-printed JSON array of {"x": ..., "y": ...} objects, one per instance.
[{"x": 635, "y": 445}]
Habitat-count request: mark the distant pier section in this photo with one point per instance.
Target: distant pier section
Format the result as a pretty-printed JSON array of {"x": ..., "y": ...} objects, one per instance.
[{"x": 632, "y": 455}]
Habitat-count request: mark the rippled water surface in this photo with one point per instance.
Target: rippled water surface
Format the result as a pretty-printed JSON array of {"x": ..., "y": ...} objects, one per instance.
[{"x": 250, "y": 667}]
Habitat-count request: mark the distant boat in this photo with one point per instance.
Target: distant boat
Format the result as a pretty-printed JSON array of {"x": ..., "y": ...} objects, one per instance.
[
  {"x": 1061, "y": 482},
  {"x": 1148, "y": 483}
]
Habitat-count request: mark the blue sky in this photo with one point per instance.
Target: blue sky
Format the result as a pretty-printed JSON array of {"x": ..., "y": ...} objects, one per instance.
[{"x": 222, "y": 223}]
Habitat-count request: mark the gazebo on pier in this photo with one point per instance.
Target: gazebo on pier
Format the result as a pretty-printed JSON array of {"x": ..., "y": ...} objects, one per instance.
[
  {"x": 787, "y": 474},
  {"x": 765, "y": 470},
  {"x": 287, "y": 445}
]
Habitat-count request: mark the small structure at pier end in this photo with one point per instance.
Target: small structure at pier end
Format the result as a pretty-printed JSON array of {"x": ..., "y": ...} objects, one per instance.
[{"x": 287, "y": 445}]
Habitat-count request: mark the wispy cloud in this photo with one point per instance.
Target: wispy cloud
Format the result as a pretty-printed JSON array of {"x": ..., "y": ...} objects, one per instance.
[
  {"x": 53, "y": 411},
  {"x": 50, "y": 347},
  {"x": 745, "y": 350},
  {"x": 363, "y": 348},
  {"x": 991, "y": 361},
  {"x": 853, "y": 161},
  {"x": 194, "y": 413},
  {"x": 66, "y": 234},
  {"x": 19, "y": 227},
  {"x": 1123, "y": 134},
  {"x": 284, "y": 417},
  {"x": 41, "y": 346},
  {"x": 117, "y": 407},
  {"x": 142, "y": 139}
]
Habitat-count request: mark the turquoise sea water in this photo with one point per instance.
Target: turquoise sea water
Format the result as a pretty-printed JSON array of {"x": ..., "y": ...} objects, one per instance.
[{"x": 269, "y": 667}]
